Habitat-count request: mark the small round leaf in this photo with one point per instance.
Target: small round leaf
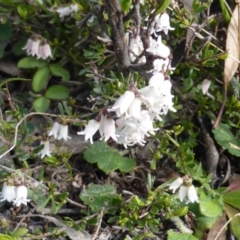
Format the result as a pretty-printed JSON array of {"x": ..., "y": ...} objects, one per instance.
[
  {"x": 59, "y": 71},
  {"x": 57, "y": 92},
  {"x": 41, "y": 104},
  {"x": 40, "y": 79},
  {"x": 31, "y": 62}
]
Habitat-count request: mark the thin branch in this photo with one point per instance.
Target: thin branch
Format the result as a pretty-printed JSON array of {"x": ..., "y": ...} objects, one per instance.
[{"x": 115, "y": 17}]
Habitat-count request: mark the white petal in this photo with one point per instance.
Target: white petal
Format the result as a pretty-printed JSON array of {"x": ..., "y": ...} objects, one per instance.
[
  {"x": 46, "y": 149},
  {"x": 8, "y": 193},
  {"x": 63, "y": 132},
  {"x": 90, "y": 130},
  {"x": 192, "y": 194},
  {"x": 176, "y": 184},
  {"x": 55, "y": 130},
  {"x": 134, "y": 109},
  {"x": 205, "y": 86},
  {"x": 122, "y": 104},
  {"x": 182, "y": 192},
  {"x": 109, "y": 130}
]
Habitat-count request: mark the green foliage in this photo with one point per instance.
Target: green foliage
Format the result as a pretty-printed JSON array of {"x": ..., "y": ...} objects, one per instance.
[
  {"x": 180, "y": 236},
  {"x": 59, "y": 71},
  {"x": 233, "y": 214},
  {"x": 210, "y": 207},
  {"x": 225, "y": 10},
  {"x": 20, "y": 232},
  {"x": 40, "y": 79},
  {"x": 57, "y": 92},
  {"x": 6, "y": 31},
  {"x": 163, "y": 5},
  {"x": 101, "y": 196},
  {"x": 125, "y": 4},
  {"x": 107, "y": 158},
  {"x": 31, "y": 62},
  {"x": 6, "y": 237},
  {"x": 87, "y": 66},
  {"x": 226, "y": 139},
  {"x": 41, "y": 104},
  {"x": 232, "y": 198}
]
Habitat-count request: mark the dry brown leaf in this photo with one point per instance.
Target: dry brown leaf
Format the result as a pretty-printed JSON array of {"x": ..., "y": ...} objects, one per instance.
[
  {"x": 215, "y": 229},
  {"x": 231, "y": 63},
  {"x": 232, "y": 47}
]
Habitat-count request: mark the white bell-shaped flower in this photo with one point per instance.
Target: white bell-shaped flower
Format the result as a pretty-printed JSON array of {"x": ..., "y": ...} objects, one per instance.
[
  {"x": 35, "y": 48},
  {"x": 176, "y": 184},
  {"x": 59, "y": 131},
  {"x": 134, "y": 109},
  {"x": 123, "y": 103},
  {"x": 55, "y": 130},
  {"x": 63, "y": 12},
  {"x": 63, "y": 132},
  {"x": 8, "y": 193},
  {"x": 90, "y": 130},
  {"x": 158, "y": 48},
  {"x": 102, "y": 125},
  {"x": 21, "y": 196},
  {"x": 192, "y": 194},
  {"x": 136, "y": 48},
  {"x": 156, "y": 80},
  {"x": 164, "y": 23},
  {"x": 182, "y": 192},
  {"x": 45, "y": 51},
  {"x": 46, "y": 149},
  {"x": 109, "y": 130},
  {"x": 184, "y": 184},
  {"x": 28, "y": 46},
  {"x": 66, "y": 11}
]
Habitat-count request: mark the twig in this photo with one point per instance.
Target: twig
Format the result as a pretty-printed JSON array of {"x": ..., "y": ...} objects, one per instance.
[
  {"x": 236, "y": 215},
  {"x": 75, "y": 203},
  {"x": 116, "y": 22},
  {"x": 99, "y": 224}
]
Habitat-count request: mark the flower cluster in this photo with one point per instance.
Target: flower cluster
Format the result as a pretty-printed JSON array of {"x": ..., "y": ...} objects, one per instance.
[
  {"x": 15, "y": 194},
  {"x": 137, "y": 109},
  {"x": 186, "y": 188},
  {"x": 38, "y": 47},
  {"x": 65, "y": 11},
  {"x": 161, "y": 23},
  {"x": 59, "y": 131}
]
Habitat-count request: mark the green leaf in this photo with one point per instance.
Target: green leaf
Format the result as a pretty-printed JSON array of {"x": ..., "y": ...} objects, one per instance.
[
  {"x": 31, "y": 62},
  {"x": 18, "y": 47},
  {"x": 40, "y": 79},
  {"x": 226, "y": 139},
  {"x": 20, "y": 232},
  {"x": 163, "y": 5},
  {"x": 99, "y": 196},
  {"x": 125, "y": 4},
  {"x": 225, "y": 10},
  {"x": 210, "y": 208},
  {"x": 6, "y": 31},
  {"x": 59, "y": 71},
  {"x": 232, "y": 198},
  {"x": 235, "y": 223},
  {"x": 180, "y": 236},
  {"x": 41, "y": 104},
  {"x": 107, "y": 158},
  {"x": 6, "y": 237},
  {"x": 22, "y": 11},
  {"x": 53, "y": 207},
  {"x": 57, "y": 92}
]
